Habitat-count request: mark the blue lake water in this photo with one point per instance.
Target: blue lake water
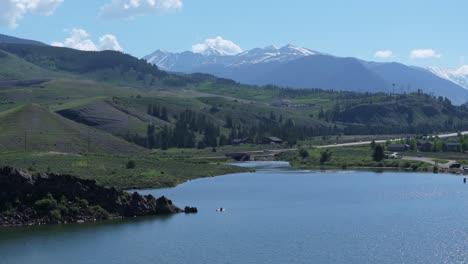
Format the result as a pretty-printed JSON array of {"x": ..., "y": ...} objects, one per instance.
[{"x": 276, "y": 215}]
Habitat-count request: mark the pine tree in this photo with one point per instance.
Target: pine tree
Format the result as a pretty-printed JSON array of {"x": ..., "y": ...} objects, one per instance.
[
  {"x": 164, "y": 115},
  {"x": 165, "y": 138},
  {"x": 379, "y": 153},
  {"x": 150, "y": 109}
]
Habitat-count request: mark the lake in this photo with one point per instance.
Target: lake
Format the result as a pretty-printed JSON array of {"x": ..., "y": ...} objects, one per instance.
[{"x": 275, "y": 215}]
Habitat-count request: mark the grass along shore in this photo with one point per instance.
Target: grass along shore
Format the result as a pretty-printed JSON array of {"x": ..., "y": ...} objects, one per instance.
[
  {"x": 135, "y": 172},
  {"x": 352, "y": 157}
]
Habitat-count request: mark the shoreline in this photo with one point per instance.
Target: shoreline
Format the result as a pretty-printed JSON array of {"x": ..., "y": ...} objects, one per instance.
[
  {"x": 48, "y": 198},
  {"x": 399, "y": 169}
]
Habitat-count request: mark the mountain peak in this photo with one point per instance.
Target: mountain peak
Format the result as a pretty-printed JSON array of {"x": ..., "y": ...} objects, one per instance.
[
  {"x": 213, "y": 51},
  {"x": 458, "y": 76},
  {"x": 297, "y": 50}
]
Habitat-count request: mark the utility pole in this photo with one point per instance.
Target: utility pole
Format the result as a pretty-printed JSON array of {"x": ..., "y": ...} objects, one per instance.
[
  {"x": 25, "y": 141},
  {"x": 89, "y": 146},
  {"x": 89, "y": 141}
]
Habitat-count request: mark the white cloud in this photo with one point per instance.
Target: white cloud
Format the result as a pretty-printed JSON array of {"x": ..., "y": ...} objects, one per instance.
[
  {"x": 14, "y": 10},
  {"x": 425, "y": 54},
  {"x": 383, "y": 54},
  {"x": 217, "y": 46},
  {"x": 109, "y": 42},
  {"x": 80, "y": 39},
  {"x": 132, "y": 8}
]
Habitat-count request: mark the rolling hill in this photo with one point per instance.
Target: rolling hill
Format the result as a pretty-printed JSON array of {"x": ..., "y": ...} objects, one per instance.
[
  {"x": 15, "y": 40},
  {"x": 129, "y": 103},
  {"x": 108, "y": 66},
  {"x": 34, "y": 128}
]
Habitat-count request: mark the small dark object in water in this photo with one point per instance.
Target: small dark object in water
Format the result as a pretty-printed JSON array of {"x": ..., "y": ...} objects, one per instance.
[
  {"x": 464, "y": 180},
  {"x": 190, "y": 210},
  {"x": 220, "y": 210}
]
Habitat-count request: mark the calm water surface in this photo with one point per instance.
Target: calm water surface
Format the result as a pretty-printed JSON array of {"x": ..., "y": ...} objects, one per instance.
[{"x": 276, "y": 215}]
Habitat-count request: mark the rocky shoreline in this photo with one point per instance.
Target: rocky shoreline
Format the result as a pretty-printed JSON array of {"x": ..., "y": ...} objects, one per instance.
[{"x": 47, "y": 198}]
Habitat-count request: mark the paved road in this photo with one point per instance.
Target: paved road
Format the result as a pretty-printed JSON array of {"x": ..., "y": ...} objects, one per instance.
[
  {"x": 429, "y": 160},
  {"x": 384, "y": 140}
]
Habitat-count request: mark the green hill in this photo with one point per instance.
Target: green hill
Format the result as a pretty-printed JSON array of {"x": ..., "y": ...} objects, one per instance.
[
  {"x": 105, "y": 114},
  {"x": 33, "y": 128},
  {"x": 13, "y": 67},
  {"x": 109, "y": 66},
  {"x": 124, "y": 96},
  {"x": 15, "y": 40}
]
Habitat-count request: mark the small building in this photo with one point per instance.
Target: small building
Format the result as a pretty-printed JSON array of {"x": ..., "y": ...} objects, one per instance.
[
  {"x": 239, "y": 141},
  {"x": 452, "y": 147},
  {"x": 398, "y": 147},
  {"x": 274, "y": 140},
  {"x": 426, "y": 146}
]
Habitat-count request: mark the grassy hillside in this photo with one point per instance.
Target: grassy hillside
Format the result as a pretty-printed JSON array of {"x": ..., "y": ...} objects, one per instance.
[
  {"x": 394, "y": 114},
  {"x": 15, "y": 40},
  {"x": 111, "y": 66},
  {"x": 33, "y": 128},
  {"x": 13, "y": 67},
  {"x": 104, "y": 114}
]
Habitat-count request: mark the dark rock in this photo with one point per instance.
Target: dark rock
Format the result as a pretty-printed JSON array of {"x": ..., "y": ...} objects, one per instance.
[
  {"x": 165, "y": 206},
  {"x": 18, "y": 185},
  {"x": 190, "y": 210}
]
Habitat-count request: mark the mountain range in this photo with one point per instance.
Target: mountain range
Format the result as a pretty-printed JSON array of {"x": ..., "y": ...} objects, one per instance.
[{"x": 297, "y": 67}]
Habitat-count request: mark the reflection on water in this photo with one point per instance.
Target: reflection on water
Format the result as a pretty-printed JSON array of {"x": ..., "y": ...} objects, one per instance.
[
  {"x": 262, "y": 164},
  {"x": 7, "y": 234}
]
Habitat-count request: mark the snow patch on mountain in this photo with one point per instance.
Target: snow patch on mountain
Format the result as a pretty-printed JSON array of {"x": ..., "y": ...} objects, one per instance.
[
  {"x": 458, "y": 76},
  {"x": 208, "y": 53}
]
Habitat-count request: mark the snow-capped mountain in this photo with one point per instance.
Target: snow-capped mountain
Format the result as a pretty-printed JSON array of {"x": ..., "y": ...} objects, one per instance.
[
  {"x": 458, "y": 76},
  {"x": 271, "y": 54},
  {"x": 171, "y": 61},
  {"x": 296, "y": 67}
]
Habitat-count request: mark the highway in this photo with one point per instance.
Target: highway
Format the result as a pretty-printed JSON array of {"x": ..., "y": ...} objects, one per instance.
[{"x": 360, "y": 143}]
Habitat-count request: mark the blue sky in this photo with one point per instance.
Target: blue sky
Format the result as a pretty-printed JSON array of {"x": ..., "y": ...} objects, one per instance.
[{"x": 435, "y": 30}]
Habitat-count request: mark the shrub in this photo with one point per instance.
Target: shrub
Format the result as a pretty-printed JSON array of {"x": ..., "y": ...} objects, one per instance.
[
  {"x": 55, "y": 215},
  {"x": 303, "y": 153},
  {"x": 100, "y": 212},
  {"x": 325, "y": 156},
  {"x": 46, "y": 204},
  {"x": 82, "y": 202},
  {"x": 74, "y": 209},
  {"x": 63, "y": 209},
  {"x": 201, "y": 145},
  {"x": 131, "y": 164},
  {"x": 414, "y": 166}
]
